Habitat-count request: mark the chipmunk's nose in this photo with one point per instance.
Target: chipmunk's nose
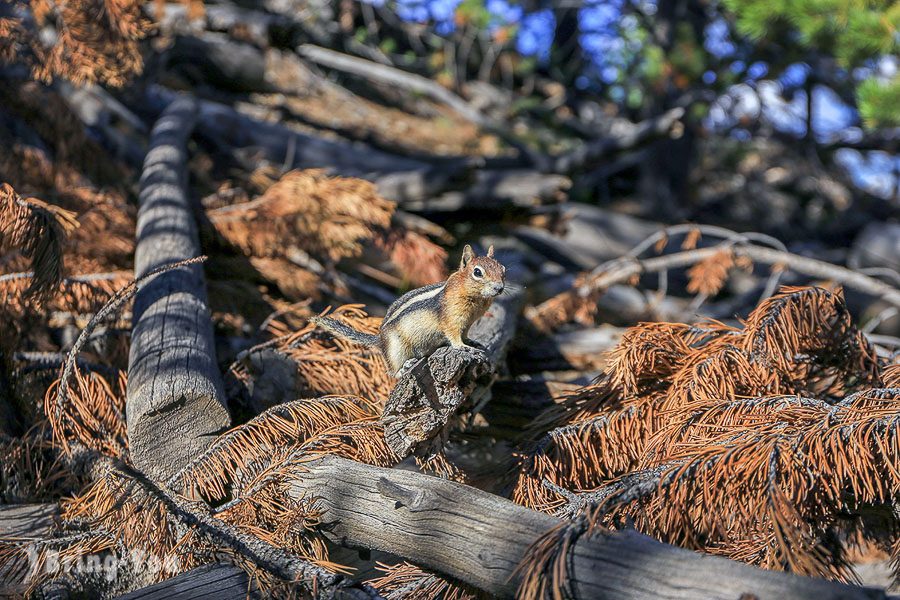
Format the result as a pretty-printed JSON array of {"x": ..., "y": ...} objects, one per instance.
[{"x": 494, "y": 288}]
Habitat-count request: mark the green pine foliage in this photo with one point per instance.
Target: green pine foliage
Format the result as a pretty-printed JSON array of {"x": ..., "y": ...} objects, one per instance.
[
  {"x": 854, "y": 32},
  {"x": 879, "y": 102}
]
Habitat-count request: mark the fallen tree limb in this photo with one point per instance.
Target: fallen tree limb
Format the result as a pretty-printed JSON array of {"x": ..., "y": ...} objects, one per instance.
[
  {"x": 395, "y": 77},
  {"x": 175, "y": 401},
  {"x": 497, "y": 190},
  {"x": 620, "y": 271},
  {"x": 244, "y": 138},
  {"x": 431, "y": 393},
  {"x": 481, "y": 538},
  {"x": 588, "y": 155}
]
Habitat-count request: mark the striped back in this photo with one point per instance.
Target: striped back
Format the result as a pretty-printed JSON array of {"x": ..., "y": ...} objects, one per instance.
[{"x": 422, "y": 297}]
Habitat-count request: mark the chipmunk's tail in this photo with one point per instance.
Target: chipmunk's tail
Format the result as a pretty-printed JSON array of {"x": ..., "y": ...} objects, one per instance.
[{"x": 345, "y": 331}]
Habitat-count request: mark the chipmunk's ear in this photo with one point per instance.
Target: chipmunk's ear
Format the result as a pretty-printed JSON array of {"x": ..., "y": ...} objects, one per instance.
[
  {"x": 467, "y": 256},
  {"x": 490, "y": 253}
]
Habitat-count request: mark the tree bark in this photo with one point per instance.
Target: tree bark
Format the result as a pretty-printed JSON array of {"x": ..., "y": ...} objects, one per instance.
[
  {"x": 175, "y": 403},
  {"x": 481, "y": 538}
]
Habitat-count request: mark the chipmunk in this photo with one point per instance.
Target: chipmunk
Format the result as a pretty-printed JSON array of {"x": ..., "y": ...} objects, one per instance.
[{"x": 422, "y": 320}]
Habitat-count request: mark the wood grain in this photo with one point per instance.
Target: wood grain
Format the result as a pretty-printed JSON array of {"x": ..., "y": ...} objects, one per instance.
[
  {"x": 215, "y": 582},
  {"x": 480, "y": 538},
  {"x": 175, "y": 402}
]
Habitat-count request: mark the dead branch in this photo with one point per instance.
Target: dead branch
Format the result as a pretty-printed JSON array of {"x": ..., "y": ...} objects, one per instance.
[
  {"x": 625, "y": 269},
  {"x": 394, "y": 77},
  {"x": 588, "y": 155},
  {"x": 481, "y": 538},
  {"x": 175, "y": 399},
  {"x": 246, "y": 138}
]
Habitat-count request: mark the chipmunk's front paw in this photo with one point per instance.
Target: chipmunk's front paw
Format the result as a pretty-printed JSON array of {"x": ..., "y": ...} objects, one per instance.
[
  {"x": 478, "y": 351},
  {"x": 407, "y": 367}
]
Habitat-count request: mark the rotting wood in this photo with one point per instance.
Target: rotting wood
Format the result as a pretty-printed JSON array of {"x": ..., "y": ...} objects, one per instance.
[
  {"x": 480, "y": 538},
  {"x": 425, "y": 399},
  {"x": 175, "y": 401}
]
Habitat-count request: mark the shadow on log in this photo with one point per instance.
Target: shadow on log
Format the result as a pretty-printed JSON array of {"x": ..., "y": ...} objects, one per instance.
[
  {"x": 481, "y": 538},
  {"x": 175, "y": 401}
]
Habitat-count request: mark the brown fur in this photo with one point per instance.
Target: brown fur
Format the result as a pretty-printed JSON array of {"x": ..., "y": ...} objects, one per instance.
[{"x": 466, "y": 298}]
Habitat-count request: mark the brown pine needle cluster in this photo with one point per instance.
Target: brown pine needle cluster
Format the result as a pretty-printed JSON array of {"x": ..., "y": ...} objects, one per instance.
[
  {"x": 94, "y": 416},
  {"x": 762, "y": 443},
  {"x": 419, "y": 260},
  {"x": 97, "y": 41},
  {"x": 37, "y": 230},
  {"x": 329, "y": 217},
  {"x": 709, "y": 275},
  {"x": 405, "y": 580},
  {"x": 306, "y": 222},
  {"x": 324, "y": 363}
]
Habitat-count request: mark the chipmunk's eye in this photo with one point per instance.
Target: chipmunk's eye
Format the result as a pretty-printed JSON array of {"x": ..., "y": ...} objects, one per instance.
[{"x": 477, "y": 273}]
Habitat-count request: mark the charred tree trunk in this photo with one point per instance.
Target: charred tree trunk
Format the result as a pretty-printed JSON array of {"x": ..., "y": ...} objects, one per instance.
[{"x": 175, "y": 403}]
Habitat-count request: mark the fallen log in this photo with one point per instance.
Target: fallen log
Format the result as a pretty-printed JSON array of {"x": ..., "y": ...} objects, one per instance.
[
  {"x": 175, "y": 400},
  {"x": 392, "y": 76},
  {"x": 481, "y": 538},
  {"x": 242, "y": 136},
  {"x": 26, "y": 520},
  {"x": 20, "y": 522},
  {"x": 426, "y": 398},
  {"x": 220, "y": 581}
]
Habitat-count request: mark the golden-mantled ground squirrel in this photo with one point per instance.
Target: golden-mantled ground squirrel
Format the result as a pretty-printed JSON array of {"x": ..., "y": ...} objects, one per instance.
[{"x": 420, "y": 321}]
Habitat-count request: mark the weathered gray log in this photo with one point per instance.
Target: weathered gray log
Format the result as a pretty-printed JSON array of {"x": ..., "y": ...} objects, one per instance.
[
  {"x": 392, "y": 76},
  {"x": 480, "y": 538},
  {"x": 22, "y": 521},
  {"x": 398, "y": 178},
  {"x": 175, "y": 402},
  {"x": 425, "y": 399},
  {"x": 222, "y": 582},
  {"x": 26, "y": 520}
]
